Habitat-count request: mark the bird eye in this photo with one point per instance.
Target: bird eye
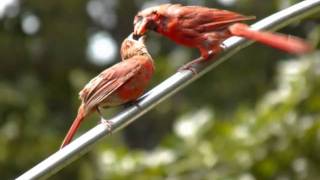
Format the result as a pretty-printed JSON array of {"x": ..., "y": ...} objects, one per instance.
[{"x": 155, "y": 15}]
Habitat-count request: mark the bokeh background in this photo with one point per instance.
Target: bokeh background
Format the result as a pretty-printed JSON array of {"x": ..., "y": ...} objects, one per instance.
[{"x": 256, "y": 116}]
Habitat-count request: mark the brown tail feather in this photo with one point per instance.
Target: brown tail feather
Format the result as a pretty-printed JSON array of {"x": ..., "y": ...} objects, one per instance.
[{"x": 74, "y": 127}]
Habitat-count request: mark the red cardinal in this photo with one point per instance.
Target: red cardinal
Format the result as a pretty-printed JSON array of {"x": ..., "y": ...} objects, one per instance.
[
  {"x": 119, "y": 84},
  {"x": 206, "y": 28}
]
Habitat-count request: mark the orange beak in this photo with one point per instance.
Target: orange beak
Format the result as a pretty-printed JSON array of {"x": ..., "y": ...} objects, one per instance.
[{"x": 140, "y": 27}]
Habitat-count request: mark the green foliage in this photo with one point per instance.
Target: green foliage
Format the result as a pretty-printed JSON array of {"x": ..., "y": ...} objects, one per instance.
[{"x": 256, "y": 116}]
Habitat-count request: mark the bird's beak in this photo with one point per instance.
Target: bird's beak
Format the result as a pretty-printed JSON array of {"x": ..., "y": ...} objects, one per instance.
[
  {"x": 141, "y": 39},
  {"x": 140, "y": 27}
]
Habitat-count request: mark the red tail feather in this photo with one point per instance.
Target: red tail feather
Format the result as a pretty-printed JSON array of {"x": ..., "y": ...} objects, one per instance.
[
  {"x": 286, "y": 43},
  {"x": 74, "y": 127}
]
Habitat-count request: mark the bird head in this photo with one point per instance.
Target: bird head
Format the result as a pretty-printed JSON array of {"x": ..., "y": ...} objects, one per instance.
[
  {"x": 133, "y": 45},
  {"x": 148, "y": 19}
]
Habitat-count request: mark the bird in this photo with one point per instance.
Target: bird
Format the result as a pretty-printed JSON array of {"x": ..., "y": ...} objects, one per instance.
[
  {"x": 206, "y": 28},
  {"x": 121, "y": 83}
]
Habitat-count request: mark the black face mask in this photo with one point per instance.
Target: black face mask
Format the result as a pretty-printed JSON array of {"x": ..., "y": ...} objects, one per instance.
[{"x": 152, "y": 26}]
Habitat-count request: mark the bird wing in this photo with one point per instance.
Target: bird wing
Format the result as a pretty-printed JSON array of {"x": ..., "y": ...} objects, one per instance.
[
  {"x": 203, "y": 19},
  {"x": 108, "y": 81}
]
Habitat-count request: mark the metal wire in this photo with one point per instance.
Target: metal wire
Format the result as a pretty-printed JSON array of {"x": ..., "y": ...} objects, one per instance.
[{"x": 170, "y": 86}]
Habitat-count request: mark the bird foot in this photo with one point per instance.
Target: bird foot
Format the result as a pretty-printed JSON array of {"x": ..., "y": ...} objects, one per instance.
[
  {"x": 190, "y": 66},
  {"x": 223, "y": 46},
  {"x": 108, "y": 124}
]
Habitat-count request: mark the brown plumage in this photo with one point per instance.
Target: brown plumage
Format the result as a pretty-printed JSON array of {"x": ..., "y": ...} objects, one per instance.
[{"x": 119, "y": 84}]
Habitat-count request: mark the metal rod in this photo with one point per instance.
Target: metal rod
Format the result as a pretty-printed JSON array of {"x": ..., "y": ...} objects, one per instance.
[{"x": 173, "y": 84}]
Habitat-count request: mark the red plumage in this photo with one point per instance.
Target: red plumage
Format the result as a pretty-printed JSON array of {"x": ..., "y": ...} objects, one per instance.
[{"x": 205, "y": 28}]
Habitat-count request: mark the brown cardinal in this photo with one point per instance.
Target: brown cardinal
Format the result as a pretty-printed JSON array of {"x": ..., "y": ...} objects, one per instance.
[
  {"x": 119, "y": 84},
  {"x": 206, "y": 28}
]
